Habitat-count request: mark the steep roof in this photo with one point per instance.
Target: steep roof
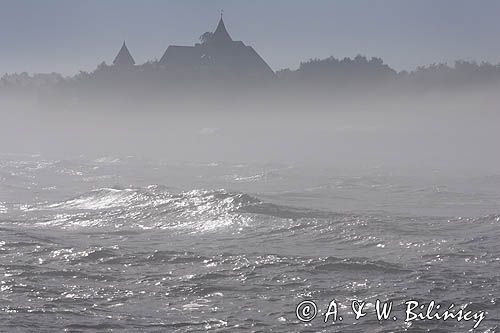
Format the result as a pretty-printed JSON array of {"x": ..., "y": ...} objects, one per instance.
[
  {"x": 124, "y": 58},
  {"x": 220, "y": 54},
  {"x": 259, "y": 62},
  {"x": 181, "y": 55},
  {"x": 221, "y": 34}
]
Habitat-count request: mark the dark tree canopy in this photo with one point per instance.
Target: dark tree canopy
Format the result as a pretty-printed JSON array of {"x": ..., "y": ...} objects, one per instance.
[{"x": 206, "y": 37}]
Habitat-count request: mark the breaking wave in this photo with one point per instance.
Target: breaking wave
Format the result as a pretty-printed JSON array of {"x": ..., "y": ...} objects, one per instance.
[{"x": 157, "y": 207}]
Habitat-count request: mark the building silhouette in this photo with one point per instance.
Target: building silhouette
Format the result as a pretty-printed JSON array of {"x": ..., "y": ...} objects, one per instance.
[{"x": 217, "y": 55}]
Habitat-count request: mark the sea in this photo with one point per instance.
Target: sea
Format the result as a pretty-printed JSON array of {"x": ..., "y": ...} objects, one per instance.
[{"x": 135, "y": 244}]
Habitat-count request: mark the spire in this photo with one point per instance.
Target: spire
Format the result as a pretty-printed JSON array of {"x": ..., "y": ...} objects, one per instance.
[
  {"x": 124, "y": 58},
  {"x": 221, "y": 34}
]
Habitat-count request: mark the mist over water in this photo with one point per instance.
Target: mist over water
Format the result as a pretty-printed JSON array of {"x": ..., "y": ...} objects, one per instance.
[
  {"x": 456, "y": 132},
  {"x": 188, "y": 217}
]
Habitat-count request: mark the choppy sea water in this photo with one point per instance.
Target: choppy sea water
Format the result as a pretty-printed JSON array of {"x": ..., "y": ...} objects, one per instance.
[{"x": 134, "y": 245}]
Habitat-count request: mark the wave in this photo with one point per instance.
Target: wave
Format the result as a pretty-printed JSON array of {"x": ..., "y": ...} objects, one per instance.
[
  {"x": 198, "y": 211},
  {"x": 155, "y": 196},
  {"x": 157, "y": 207}
]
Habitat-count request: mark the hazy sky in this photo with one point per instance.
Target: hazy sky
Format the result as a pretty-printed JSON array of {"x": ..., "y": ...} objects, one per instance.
[{"x": 69, "y": 35}]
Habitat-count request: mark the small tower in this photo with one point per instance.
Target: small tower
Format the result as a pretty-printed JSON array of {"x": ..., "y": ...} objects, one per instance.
[
  {"x": 124, "y": 58},
  {"x": 221, "y": 36}
]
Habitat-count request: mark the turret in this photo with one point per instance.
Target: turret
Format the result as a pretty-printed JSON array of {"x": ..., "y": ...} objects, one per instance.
[
  {"x": 124, "y": 58},
  {"x": 221, "y": 35}
]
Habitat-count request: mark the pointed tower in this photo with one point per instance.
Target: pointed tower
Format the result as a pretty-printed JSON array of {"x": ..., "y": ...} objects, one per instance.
[
  {"x": 124, "y": 58},
  {"x": 219, "y": 55},
  {"x": 221, "y": 36}
]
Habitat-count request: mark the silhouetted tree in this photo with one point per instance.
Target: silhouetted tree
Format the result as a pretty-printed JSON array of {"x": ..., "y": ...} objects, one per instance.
[{"x": 206, "y": 37}]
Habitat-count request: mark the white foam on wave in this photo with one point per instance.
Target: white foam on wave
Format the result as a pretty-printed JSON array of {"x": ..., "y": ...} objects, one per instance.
[
  {"x": 153, "y": 207},
  {"x": 99, "y": 199}
]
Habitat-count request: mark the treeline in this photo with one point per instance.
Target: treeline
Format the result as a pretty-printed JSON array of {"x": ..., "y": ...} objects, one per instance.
[
  {"x": 363, "y": 72},
  {"x": 316, "y": 75}
]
